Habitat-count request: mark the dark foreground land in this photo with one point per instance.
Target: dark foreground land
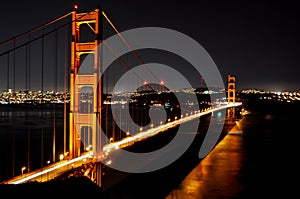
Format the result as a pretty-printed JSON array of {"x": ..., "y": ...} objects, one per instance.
[{"x": 76, "y": 186}]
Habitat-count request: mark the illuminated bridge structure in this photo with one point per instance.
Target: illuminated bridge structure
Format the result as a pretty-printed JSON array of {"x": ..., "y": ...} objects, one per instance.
[{"x": 40, "y": 69}]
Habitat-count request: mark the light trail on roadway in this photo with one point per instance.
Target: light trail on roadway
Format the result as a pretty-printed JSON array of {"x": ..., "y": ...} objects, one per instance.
[{"x": 66, "y": 164}]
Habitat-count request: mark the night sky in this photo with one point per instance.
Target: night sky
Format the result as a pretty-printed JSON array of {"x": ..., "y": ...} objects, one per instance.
[{"x": 257, "y": 41}]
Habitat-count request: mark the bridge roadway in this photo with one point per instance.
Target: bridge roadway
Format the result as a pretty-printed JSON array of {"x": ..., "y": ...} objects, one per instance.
[{"x": 56, "y": 169}]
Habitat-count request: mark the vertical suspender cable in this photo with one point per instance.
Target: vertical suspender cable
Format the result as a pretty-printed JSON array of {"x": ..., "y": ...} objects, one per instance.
[
  {"x": 7, "y": 83},
  {"x": 14, "y": 93},
  {"x": 41, "y": 101},
  {"x": 7, "y": 75},
  {"x": 55, "y": 90},
  {"x": 14, "y": 69},
  {"x": 66, "y": 41},
  {"x": 64, "y": 79},
  {"x": 26, "y": 115},
  {"x": 107, "y": 104},
  {"x": 28, "y": 89}
]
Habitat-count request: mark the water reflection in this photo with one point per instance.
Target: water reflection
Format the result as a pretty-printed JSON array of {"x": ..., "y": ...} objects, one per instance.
[{"x": 217, "y": 176}]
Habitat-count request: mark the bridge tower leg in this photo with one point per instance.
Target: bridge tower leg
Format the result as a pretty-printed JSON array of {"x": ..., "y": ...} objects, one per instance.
[
  {"x": 231, "y": 94},
  {"x": 85, "y": 79}
]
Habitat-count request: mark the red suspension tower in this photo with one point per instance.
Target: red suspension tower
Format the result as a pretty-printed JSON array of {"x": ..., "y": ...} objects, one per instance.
[{"x": 78, "y": 120}]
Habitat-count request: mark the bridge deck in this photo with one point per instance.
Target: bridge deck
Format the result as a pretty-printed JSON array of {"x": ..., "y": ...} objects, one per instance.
[{"x": 54, "y": 170}]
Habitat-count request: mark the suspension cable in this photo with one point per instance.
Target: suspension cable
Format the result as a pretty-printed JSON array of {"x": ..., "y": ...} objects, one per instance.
[
  {"x": 122, "y": 60},
  {"x": 126, "y": 43},
  {"x": 135, "y": 54},
  {"x": 41, "y": 36},
  {"x": 34, "y": 29},
  {"x": 127, "y": 66}
]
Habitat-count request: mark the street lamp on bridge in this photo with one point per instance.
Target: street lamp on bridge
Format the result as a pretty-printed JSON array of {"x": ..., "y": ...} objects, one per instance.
[
  {"x": 22, "y": 170},
  {"x": 61, "y": 157}
]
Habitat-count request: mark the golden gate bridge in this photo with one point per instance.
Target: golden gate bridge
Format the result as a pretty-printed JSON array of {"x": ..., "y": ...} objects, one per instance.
[{"x": 42, "y": 68}]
